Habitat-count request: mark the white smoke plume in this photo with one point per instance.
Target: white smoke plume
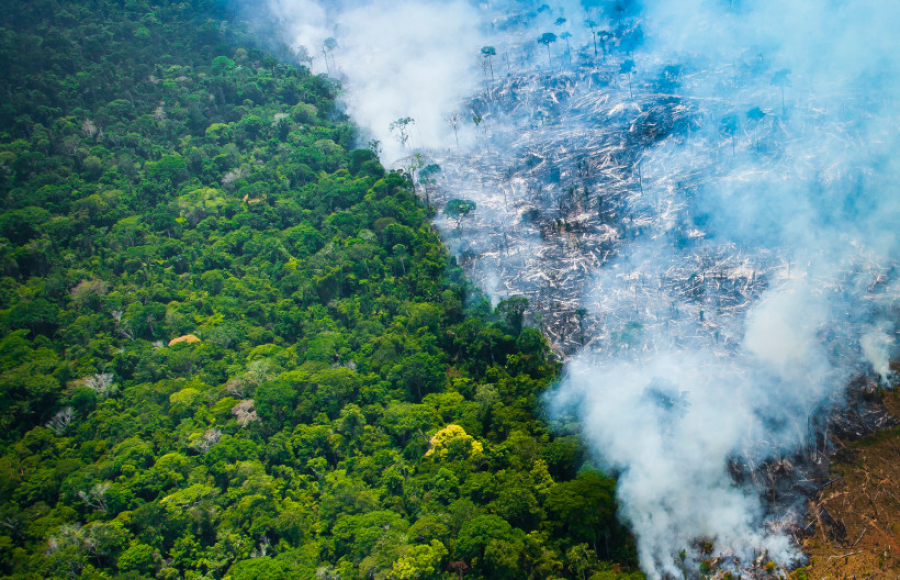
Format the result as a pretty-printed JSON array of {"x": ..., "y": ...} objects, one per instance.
[
  {"x": 824, "y": 202},
  {"x": 876, "y": 347},
  {"x": 396, "y": 60}
]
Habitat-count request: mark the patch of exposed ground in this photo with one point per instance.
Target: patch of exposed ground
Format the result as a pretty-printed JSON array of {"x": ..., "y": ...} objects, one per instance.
[{"x": 856, "y": 517}]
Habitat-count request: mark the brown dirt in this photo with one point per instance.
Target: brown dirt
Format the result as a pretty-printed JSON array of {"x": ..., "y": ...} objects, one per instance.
[{"x": 856, "y": 519}]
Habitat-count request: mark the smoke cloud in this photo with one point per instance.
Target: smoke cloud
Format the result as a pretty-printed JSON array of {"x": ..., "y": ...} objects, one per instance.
[
  {"x": 701, "y": 206},
  {"x": 396, "y": 60},
  {"x": 813, "y": 188}
]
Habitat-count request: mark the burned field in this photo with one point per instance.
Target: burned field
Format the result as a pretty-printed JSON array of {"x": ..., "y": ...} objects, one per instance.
[
  {"x": 572, "y": 177},
  {"x": 855, "y": 516}
]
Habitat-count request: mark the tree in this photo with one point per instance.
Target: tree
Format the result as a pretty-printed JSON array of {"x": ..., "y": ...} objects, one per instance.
[
  {"x": 514, "y": 310},
  {"x": 626, "y": 68},
  {"x": 566, "y": 36},
  {"x": 782, "y": 79},
  {"x": 263, "y": 567},
  {"x": 401, "y": 126},
  {"x": 419, "y": 562},
  {"x": 497, "y": 546},
  {"x": 60, "y": 422},
  {"x": 729, "y": 127},
  {"x": 487, "y": 54},
  {"x": 453, "y": 121},
  {"x": 591, "y": 25},
  {"x": 100, "y": 383},
  {"x": 328, "y": 47},
  {"x": 547, "y": 39},
  {"x": 603, "y": 35},
  {"x": 170, "y": 168},
  {"x": 39, "y": 315},
  {"x": 478, "y": 119},
  {"x": 453, "y": 443},
  {"x": 139, "y": 558},
  {"x": 357, "y": 535},
  {"x": 458, "y": 209},
  {"x": 584, "y": 508},
  {"x": 96, "y": 497},
  {"x": 428, "y": 177},
  {"x": 411, "y": 166},
  {"x": 222, "y": 65},
  {"x": 420, "y": 374}
]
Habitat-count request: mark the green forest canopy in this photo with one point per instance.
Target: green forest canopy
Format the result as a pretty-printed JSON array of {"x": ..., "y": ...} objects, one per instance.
[{"x": 232, "y": 344}]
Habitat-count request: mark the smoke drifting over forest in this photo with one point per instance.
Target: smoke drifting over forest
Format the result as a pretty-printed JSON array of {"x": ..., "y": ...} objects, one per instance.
[
  {"x": 739, "y": 182},
  {"x": 395, "y": 59}
]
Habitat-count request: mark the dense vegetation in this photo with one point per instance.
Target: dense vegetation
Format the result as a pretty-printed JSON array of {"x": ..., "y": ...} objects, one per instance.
[{"x": 232, "y": 345}]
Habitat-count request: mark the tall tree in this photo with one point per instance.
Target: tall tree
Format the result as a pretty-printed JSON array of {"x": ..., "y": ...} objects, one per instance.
[
  {"x": 604, "y": 35},
  {"x": 328, "y": 48},
  {"x": 487, "y": 54},
  {"x": 428, "y": 178},
  {"x": 566, "y": 36},
  {"x": 782, "y": 79},
  {"x": 627, "y": 68},
  {"x": 591, "y": 25},
  {"x": 453, "y": 121},
  {"x": 401, "y": 126},
  {"x": 547, "y": 39}
]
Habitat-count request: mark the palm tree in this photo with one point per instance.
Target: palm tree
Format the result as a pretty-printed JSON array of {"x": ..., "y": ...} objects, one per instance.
[
  {"x": 566, "y": 36},
  {"x": 626, "y": 68},
  {"x": 604, "y": 35},
  {"x": 591, "y": 24},
  {"x": 782, "y": 79},
  {"x": 328, "y": 47},
  {"x": 547, "y": 39},
  {"x": 488, "y": 53}
]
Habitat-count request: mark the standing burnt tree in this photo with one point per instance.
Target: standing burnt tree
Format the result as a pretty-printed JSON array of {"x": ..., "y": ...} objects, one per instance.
[
  {"x": 547, "y": 39},
  {"x": 487, "y": 54},
  {"x": 401, "y": 126}
]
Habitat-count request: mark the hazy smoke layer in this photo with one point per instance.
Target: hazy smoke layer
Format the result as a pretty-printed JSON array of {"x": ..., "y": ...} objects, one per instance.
[
  {"x": 700, "y": 204},
  {"x": 397, "y": 59},
  {"x": 818, "y": 189}
]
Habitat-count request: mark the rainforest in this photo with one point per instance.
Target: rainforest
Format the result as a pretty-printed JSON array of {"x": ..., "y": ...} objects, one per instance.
[{"x": 231, "y": 339}]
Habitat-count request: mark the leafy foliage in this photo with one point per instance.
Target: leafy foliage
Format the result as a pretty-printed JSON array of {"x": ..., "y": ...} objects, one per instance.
[{"x": 232, "y": 345}]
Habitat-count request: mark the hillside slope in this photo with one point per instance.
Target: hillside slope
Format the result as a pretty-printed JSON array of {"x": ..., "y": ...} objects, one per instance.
[{"x": 232, "y": 345}]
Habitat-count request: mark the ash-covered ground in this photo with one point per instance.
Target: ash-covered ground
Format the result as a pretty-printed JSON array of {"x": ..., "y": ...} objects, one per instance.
[{"x": 574, "y": 171}]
